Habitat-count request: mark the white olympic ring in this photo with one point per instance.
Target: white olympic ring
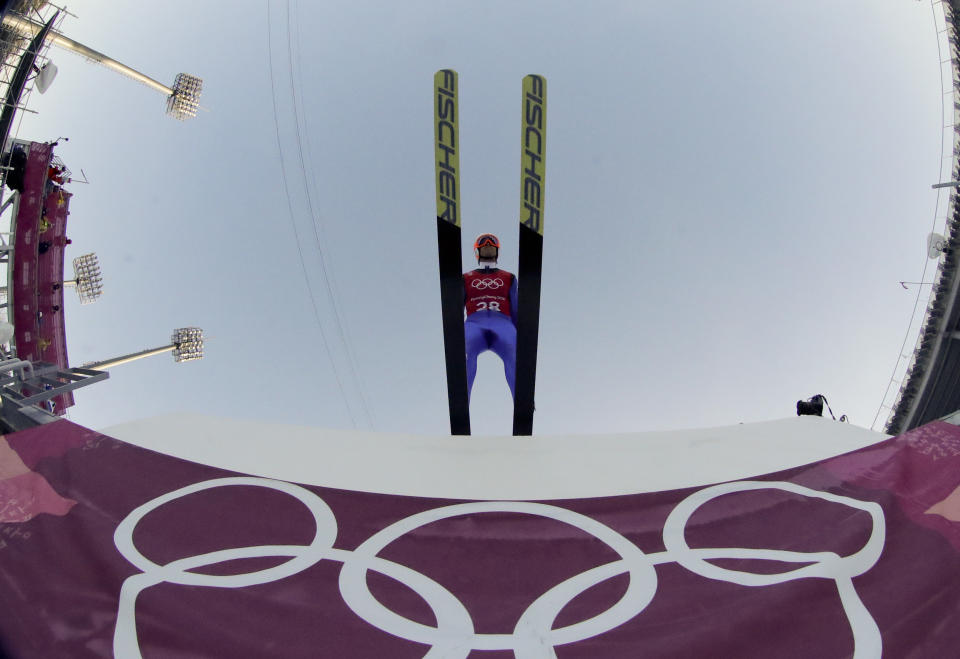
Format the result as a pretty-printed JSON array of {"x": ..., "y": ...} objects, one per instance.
[
  {"x": 534, "y": 629},
  {"x": 487, "y": 283},
  {"x": 533, "y": 636}
]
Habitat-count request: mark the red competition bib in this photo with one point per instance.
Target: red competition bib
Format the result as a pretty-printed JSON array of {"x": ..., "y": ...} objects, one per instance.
[{"x": 488, "y": 289}]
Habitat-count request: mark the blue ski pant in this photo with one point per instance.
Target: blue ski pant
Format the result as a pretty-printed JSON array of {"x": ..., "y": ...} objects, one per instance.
[{"x": 490, "y": 330}]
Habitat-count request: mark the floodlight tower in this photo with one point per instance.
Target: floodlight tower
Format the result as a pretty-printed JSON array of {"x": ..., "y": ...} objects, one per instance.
[
  {"x": 183, "y": 99},
  {"x": 87, "y": 279},
  {"x": 186, "y": 344}
]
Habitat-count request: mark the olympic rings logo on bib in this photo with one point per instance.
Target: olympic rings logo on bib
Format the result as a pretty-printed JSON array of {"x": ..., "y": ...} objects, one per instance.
[{"x": 487, "y": 284}]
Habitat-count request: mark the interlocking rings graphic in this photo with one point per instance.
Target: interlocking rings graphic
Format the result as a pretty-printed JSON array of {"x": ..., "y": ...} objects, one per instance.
[
  {"x": 534, "y": 635},
  {"x": 487, "y": 283}
]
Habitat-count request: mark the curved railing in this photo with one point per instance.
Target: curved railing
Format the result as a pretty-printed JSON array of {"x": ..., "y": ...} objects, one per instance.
[{"x": 928, "y": 390}]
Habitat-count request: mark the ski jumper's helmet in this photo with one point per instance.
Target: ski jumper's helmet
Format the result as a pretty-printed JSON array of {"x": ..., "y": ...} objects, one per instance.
[{"x": 486, "y": 240}]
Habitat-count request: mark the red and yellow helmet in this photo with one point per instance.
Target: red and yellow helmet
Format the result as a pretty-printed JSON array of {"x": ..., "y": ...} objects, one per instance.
[{"x": 485, "y": 240}]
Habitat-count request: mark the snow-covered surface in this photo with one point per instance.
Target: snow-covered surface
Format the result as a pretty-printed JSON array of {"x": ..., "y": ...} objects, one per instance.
[{"x": 553, "y": 467}]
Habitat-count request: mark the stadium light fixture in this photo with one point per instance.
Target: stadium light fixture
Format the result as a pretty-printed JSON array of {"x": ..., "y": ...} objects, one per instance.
[
  {"x": 87, "y": 279},
  {"x": 189, "y": 344},
  {"x": 186, "y": 344},
  {"x": 183, "y": 103}
]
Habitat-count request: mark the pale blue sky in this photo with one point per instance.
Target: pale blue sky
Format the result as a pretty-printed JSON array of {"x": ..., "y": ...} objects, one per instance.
[{"x": 733, "y": 191}]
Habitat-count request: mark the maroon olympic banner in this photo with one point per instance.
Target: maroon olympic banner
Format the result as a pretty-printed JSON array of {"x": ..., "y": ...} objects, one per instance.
[{"x": 107, "y": 549}]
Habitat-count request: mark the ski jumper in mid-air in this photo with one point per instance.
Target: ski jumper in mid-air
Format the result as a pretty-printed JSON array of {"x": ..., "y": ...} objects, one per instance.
[{"x": 490, "y": 298}]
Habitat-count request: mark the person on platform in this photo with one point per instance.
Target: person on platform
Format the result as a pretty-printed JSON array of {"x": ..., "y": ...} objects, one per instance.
[
  {"x": 490, "y": 298},
  {"x": 56, "y": 174}
]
